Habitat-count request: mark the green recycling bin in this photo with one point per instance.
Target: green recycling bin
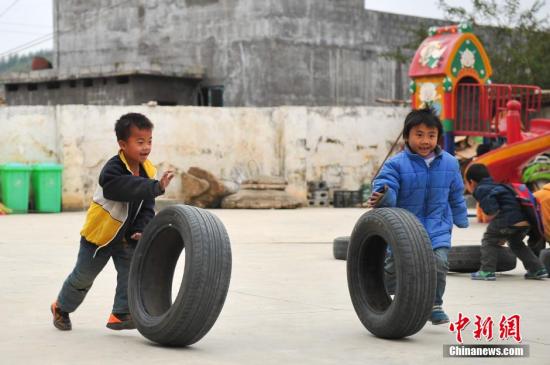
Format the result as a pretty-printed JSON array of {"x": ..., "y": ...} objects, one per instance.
[
  {"x": 46, "y": 186},
  {"x": 14, "y": 186}
]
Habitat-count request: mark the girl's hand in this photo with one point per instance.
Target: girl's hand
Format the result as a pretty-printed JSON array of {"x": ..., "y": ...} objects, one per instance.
[{"x": 376, "y": 196}]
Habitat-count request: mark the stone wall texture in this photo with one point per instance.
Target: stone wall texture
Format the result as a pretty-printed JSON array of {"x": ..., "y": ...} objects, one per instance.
[
  {"x": 265, "y": 53},
  {"x": 342, "y": 145}
]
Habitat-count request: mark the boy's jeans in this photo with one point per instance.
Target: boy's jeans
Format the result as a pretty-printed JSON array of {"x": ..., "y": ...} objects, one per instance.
[
  {"x": 514, "y": 235},
  {"x": 87, "y": 267},
  {"x": 442, "y": 266}
]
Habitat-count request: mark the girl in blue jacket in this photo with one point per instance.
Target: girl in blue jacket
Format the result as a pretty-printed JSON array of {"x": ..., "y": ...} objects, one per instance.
[{"x": 426, "y": 181}]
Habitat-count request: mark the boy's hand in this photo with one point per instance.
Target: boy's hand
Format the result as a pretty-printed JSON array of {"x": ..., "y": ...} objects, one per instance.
[
  {"x": 165, "y": 179},
  {"x": 136, "y": 236},
  {"x": 375, "y": 197}
]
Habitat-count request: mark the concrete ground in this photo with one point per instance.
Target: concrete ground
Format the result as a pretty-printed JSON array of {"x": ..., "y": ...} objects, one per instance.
[{"x": 288, "y": 302}]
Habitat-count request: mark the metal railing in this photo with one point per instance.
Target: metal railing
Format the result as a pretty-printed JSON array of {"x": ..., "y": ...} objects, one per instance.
[{"x": 479, "y": 108}]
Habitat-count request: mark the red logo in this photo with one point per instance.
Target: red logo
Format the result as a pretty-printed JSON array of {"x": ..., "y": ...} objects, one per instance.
[
  {"x": 458, "y": 326},
  {"x": 483, "y": 329},
  {"x": 509, "y": 327}
]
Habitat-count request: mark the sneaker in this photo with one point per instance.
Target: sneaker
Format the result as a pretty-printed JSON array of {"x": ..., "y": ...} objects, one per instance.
[
  {"x": 61, "y": 319},
  {"x": 537, "y": 275},
  {"x": 438, "y": 316},
  {"x": 484, "y": 275},
  {"x": 121, "y": 321}
]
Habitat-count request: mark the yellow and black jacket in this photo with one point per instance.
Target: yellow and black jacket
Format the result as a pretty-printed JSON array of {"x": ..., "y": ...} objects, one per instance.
[{"x": 122, "y": 204}]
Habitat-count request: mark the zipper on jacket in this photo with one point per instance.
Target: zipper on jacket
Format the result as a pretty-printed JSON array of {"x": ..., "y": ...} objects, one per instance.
[
  {"x": 137, "y": 212},
  {"x": 426, "y": 192}
]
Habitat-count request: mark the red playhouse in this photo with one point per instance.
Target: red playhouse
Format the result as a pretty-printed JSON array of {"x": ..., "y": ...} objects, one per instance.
[{"x": 451, "y": 72}]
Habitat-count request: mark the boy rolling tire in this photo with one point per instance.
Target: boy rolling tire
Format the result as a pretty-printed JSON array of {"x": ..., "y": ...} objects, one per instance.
[
  {"x": 185, "y": 319},
  {"x": 467, "y": 259},
  {"x": 340, "y": 247},
  {"x": 415, "y": 283}
]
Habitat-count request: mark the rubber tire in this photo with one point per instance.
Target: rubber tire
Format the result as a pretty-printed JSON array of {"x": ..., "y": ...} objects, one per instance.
[
  {"x": 467, "y": 259},
  {"x": 415, "y": 264},
  {"x": 205, "y": 279},
  {"x": 340, "y": 247}
]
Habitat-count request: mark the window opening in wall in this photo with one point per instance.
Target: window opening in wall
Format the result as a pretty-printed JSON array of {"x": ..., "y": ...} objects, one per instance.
[
  {"x": 166, "y": 103},
  {"x": 211, "y": 96},
  {"x": 122, "y": 80},
  {"x": 12, "y": 87},
  {"x": 72, "y": 83},
  {"x": 52, "y": 85},
  {"x": 104, "y": 81},
  {"x": 88, "y": 82},
  {"x": 32, "y": 87}
]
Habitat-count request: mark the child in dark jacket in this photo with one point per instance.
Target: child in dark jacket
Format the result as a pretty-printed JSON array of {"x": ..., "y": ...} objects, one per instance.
[
  {"x": 509, "y": 223},
  {"x": 122, "y": 206},
  {"x": 426, "y": 181}
]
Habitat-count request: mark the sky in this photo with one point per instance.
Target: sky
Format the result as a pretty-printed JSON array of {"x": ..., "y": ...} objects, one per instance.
[
  {"x": 26, "y": 25},
  {"x": 429, "y": 8},
  {"x": 25, "y": 21}
]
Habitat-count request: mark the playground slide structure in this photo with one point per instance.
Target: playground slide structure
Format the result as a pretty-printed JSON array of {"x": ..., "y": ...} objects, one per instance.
[
  {"x": 451, "y": 73},
  {"x": 506, "y": 162}
]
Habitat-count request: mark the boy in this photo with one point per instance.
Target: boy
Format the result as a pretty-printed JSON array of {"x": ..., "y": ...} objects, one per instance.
[
  {"x": 508, "y": 224},
  {"x": 543, "y": 197},
  {"x": 425, "y": 180},
  {"x": 121, "y": 208}
]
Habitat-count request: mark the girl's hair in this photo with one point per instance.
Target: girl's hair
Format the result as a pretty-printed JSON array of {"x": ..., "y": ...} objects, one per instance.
[{"x": 422, "y": 116}]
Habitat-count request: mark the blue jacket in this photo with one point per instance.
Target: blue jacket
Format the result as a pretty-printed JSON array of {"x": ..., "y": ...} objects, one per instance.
[
  {"x": 434, "y": 194},
  {"x": 497, "y": 199}
]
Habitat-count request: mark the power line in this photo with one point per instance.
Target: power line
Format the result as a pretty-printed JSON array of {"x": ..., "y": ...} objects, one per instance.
[
  {"x": 22, "y": 47},
  {"x": 10, "y": 24},
  {"x": 8, "y": 8},
  {"x": 10, "y": 31},
  {"x": 49, "y": 36}
]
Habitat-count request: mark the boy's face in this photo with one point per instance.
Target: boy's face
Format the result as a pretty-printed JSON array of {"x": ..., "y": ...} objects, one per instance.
[
  {"x": 138, "y": 146},
  {"x": 422, "y": 139}
]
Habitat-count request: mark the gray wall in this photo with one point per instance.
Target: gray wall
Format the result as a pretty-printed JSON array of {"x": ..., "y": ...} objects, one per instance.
[
  {"x": 265, "y": 53},
  {"x": 342, "y": 145},
  {"x": 137, "y": 89}
]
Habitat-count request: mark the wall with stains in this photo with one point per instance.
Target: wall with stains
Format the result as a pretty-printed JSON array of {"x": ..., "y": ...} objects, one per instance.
[
  {"x": 342, "y": 145},
  {"x": 265, "y": 53}
]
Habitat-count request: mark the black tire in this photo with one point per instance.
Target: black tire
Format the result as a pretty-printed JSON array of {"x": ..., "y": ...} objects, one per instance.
[
  {"x": 467, "y": 259},
  {"x": 340, "y": 247},
  {"x": 205, "y": 280},
  {"x": 415, "y": 264}
]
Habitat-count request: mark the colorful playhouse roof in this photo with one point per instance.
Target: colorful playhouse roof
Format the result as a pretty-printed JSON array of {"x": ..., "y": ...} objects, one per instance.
[{"x": 451, "y": 51}]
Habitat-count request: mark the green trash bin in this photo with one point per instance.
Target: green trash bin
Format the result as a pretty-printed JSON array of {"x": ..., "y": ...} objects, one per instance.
[
  {"x": 14, "y": 186},
  {"x": 46, "y": 186}
]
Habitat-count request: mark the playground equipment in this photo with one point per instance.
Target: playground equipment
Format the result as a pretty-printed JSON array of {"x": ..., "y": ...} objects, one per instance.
[{"x": 451, "y": 73}]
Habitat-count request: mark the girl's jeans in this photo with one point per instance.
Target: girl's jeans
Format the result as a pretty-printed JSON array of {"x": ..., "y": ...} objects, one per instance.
[{"x": 442, "y": 266}]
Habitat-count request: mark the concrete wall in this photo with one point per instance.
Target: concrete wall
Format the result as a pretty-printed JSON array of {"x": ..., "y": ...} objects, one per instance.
[
  {"x": 343, "y": 145},
  {"x": 265, "y": 53},
  {"x": 123, "y": 90}
]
